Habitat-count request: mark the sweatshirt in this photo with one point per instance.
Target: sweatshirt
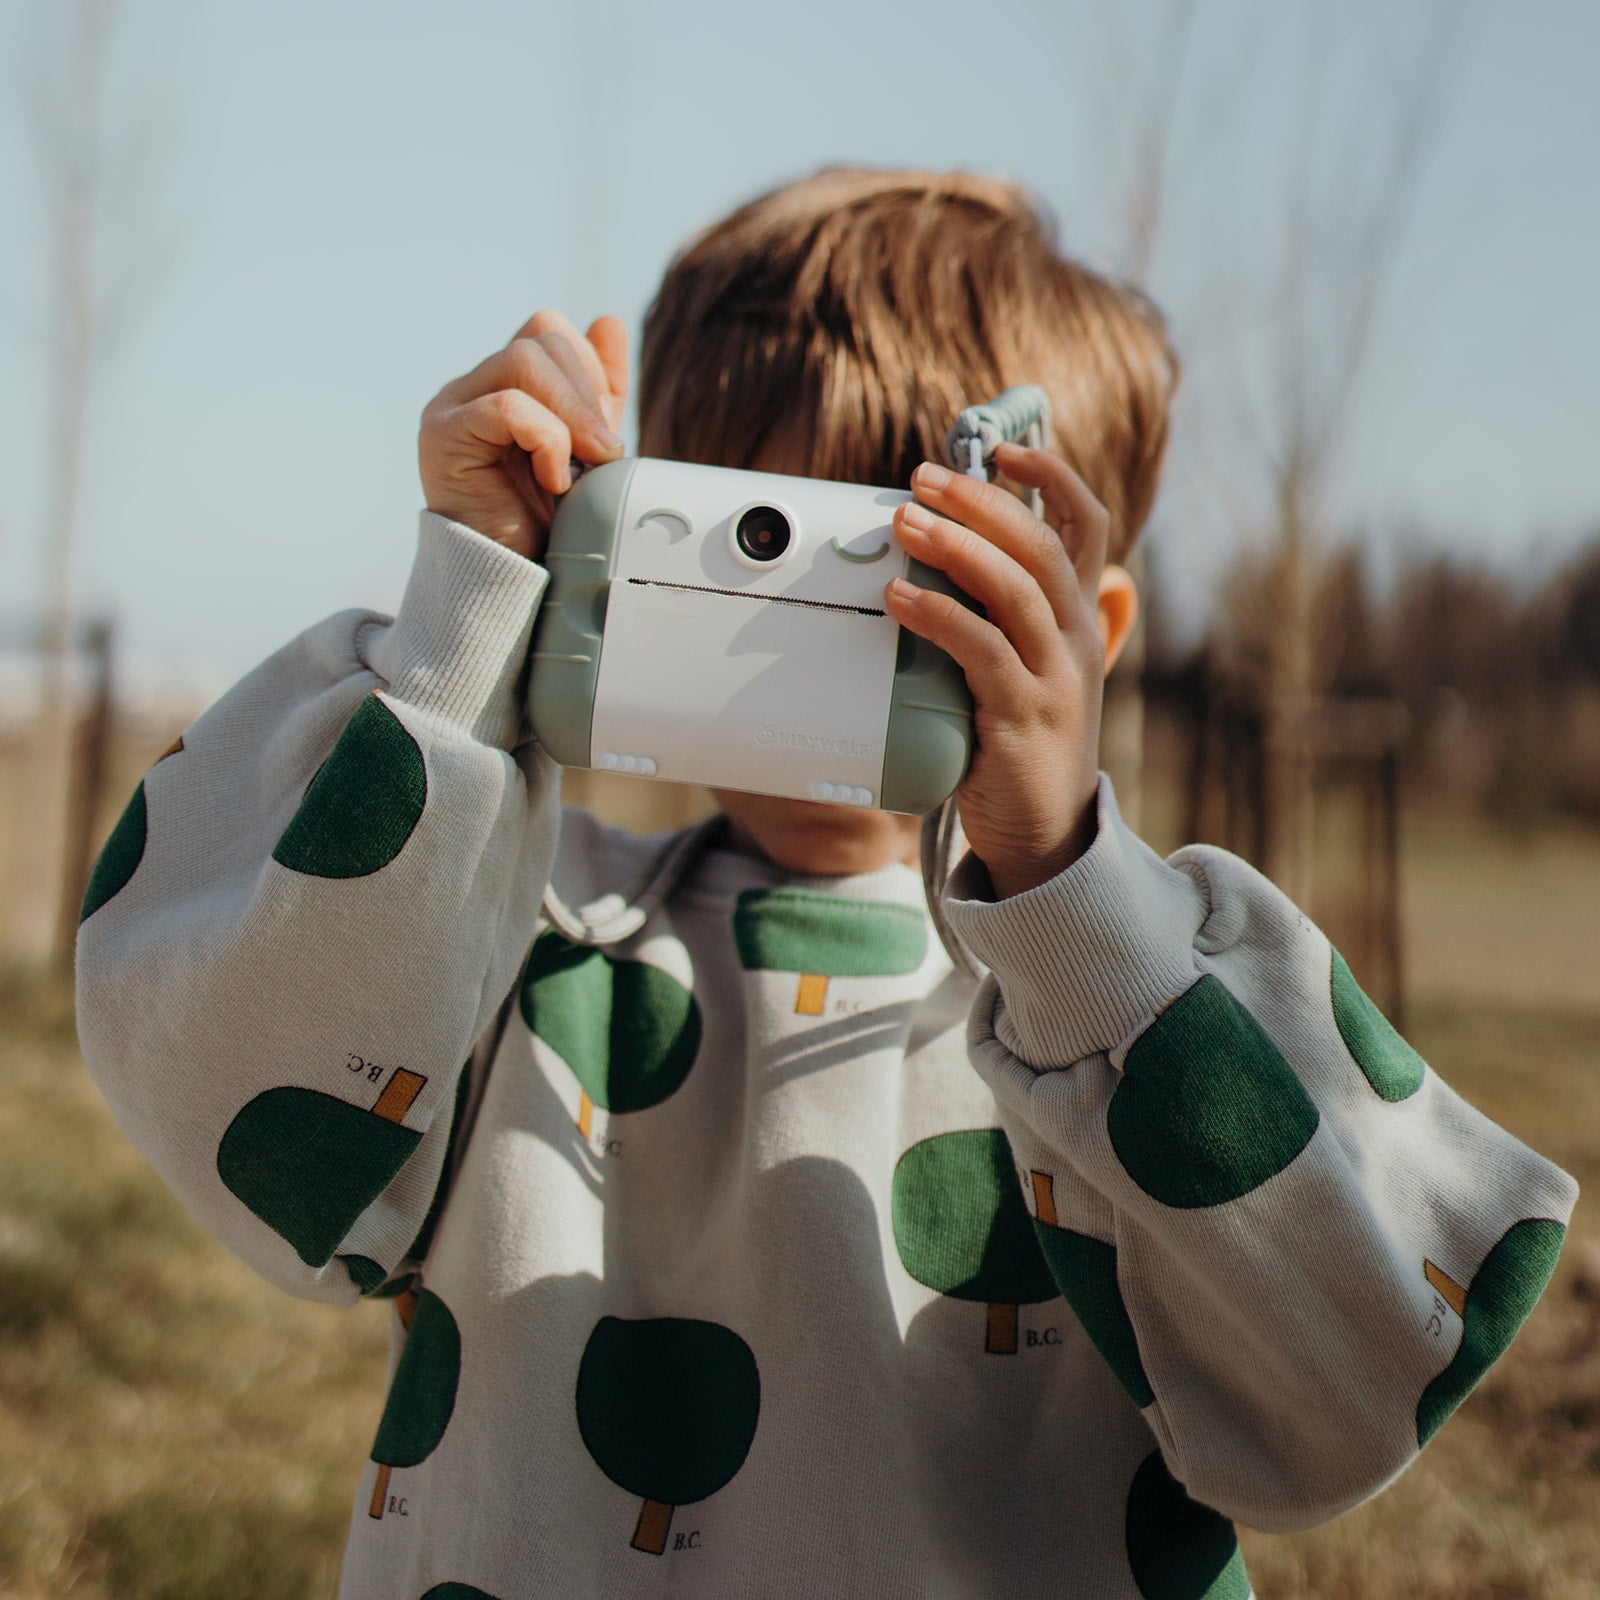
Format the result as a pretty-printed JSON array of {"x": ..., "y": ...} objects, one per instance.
[{"x": 739, "y": 1242}]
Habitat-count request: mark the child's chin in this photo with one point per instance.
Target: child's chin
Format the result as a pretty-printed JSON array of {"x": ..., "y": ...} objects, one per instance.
[{"x": 808, "y": 836}]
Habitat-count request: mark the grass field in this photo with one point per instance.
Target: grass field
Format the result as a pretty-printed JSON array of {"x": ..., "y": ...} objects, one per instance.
[{"x": 173, "y": 1429}]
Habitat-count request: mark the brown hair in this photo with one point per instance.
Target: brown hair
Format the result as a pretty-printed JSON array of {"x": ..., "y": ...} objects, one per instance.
[{"x": 871, "y": 307}]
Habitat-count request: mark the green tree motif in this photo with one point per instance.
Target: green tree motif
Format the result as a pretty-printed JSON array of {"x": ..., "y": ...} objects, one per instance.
[
  {"x": 668, "y": 1408},
  {"x": 119, "y": 857},
  {"x": 1388, "y": 1063},
  {"x": 1207, "y": 1109},
  {"x": 961, "y": 1228},
  {"x": 372, "y": 1277},
  {"x": 1492, "y": 1307},
  {"x": 628, "y": 1031},
  {"x": 821, "y": 937},
  {"x": 457, "y": 1591},
  {"x": 124, "y": 849},
  {"x": 308, "y": 1164},
  {"x": 1085, "y": 1270},
  {"x": 363, "y": 803},
  {"x": 422, "y": 1396},
  {"x": 1177, "y": 1548}
]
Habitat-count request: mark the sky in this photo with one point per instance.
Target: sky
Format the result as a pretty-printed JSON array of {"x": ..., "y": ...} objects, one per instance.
[{"x": 335, "y": 208}]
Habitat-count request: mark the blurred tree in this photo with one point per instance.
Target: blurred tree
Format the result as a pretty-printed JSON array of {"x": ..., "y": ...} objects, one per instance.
[
  {"x": 1344, "y": 216},
  {"x": 1139, "y": 105},
  {"x": 1451, "y": 629},
  {"x": 1281, "y": 333},
  {"x": 1577, "y": 596},
  {"x": 104, "y": 165}
]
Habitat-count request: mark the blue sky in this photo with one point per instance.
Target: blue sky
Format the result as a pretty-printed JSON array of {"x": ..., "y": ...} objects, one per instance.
[{"x": 360, "y": 201}]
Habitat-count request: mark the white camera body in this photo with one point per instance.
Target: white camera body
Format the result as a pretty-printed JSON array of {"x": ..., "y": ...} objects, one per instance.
[{"x": 705, "y": 625}]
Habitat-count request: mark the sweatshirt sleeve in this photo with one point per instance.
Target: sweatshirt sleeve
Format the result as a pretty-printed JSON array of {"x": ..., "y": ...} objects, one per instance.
[
  {"x": 1295, "y": 1246},
  {"x": 310, "y": 911}
]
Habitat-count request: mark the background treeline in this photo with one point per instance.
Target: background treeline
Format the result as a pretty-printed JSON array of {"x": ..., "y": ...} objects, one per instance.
[{"x": 1500, "y": 683}]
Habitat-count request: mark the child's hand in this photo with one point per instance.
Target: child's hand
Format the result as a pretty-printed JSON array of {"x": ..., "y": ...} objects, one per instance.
[
  {"x": 494, "y": 445},
  {"x": 1036, "y": 666}
]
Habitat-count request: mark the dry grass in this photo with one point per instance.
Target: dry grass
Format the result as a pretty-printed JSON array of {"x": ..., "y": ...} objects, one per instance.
[
  {"x": 1493, "y": 912},
  {"x": 171, "y": 1428}
]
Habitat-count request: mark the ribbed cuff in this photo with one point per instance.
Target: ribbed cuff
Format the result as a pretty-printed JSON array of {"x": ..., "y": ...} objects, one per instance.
[
  {"x": 1085, "y": 960},
  {"x": 460, "y": 639}
]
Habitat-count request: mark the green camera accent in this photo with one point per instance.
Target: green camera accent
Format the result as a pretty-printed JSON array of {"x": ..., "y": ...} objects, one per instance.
[
  {"x": 929, "y": 738},
  {"x": 564, "y": 660}
]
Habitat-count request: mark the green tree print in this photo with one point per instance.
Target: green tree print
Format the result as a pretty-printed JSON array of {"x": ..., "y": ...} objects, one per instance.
[
  {"x": 1207, "y": 1109},
  {"x": 1177, "y": 1548},
  {"x": 123, "y": 850},
  {"x": 1085, "y": 1270},
  {"x": 822, "y": 937},
  {"x": 119, "y": 857},
  {"x": 961, "y": 1228},
  {"x": 422, "y": 1396},
  {"x": 308, "y": 1164},
  {"x": 628, "y": 1031},
  {"x": 1388, "y": 1063},
  {"x": 668, "y": 1409},
  {"x": 1492, "y": 1307},
  {"x": 362, "y": 804}
]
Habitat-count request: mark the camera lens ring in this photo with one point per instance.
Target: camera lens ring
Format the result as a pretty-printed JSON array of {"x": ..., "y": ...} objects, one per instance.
[{"x": 762, "y": 535}]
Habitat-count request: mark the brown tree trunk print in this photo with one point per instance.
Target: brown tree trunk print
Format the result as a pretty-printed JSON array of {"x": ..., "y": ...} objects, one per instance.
[
  {"x": 1452, "y": 1293},
  {"x": 650, "y": 1532},
  {"x": 1044, "y": 1198},
  {"x": 811, "y": 997},
  {"x": 402, "y": 1088},
  {"x": 1000, "y": 1337}
]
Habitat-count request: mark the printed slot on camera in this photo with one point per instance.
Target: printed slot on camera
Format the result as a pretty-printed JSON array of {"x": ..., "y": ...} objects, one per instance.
[{"x": 748, "y": 594}]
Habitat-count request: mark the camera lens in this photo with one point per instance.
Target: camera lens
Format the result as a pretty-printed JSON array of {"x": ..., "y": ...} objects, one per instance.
[{"x": 762, "y": 533}]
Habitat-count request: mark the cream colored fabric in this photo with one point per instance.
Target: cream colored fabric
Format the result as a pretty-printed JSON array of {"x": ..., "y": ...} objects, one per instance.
[{"x": 733, "y": 1264}]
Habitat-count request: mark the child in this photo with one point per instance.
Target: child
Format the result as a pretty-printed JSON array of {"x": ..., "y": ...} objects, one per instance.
[{"x": 758, "y": 1249}]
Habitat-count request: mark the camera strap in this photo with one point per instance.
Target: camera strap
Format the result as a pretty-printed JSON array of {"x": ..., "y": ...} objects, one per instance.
[
  {"x": 941, "y": 841},
  {"x": 1020, "y": 415},
  {"x": 614, "y": 916}
]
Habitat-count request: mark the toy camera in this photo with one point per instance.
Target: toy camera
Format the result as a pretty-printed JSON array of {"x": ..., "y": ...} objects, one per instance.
[{"x": 713, "y": 626}]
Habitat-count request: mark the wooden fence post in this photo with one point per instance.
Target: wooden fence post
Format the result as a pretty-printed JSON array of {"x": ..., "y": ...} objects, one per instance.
[{"x": 91, "y": 746}]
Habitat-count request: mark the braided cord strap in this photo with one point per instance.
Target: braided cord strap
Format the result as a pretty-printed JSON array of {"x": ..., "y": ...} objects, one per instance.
[{"x": 1018, "y": 416}]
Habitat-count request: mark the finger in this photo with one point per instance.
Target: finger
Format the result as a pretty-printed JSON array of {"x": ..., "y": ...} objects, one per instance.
[
  {"x": 1009, "y": 594},
  {"x": 995, "y": 674},
  {"x": 579, "y": 372},
  {"x": 1002, "y": 519},
  {"x": 518, "y": 467},
  {"x": 527, "y": 365},
  {"x": 510, "y": 417},
  {"x": 548, "y": 327},
  {"x": 1085, "y": 524},
  {"x": 609, "y": 338}
]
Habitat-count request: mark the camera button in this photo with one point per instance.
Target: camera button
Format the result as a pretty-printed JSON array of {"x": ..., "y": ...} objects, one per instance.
[
  {"x": 841, "y": 794},
  {"x": 611, "y": 761}
]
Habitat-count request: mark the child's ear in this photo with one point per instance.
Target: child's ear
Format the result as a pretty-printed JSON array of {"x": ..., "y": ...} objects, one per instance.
[{"x": 1118, "y": 611}]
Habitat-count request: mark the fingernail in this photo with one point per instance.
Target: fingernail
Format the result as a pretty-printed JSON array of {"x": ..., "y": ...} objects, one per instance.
[
  {"x": 930, "y": 477},
  {"x": 915, "y": 517},
  {"x": 902, "y": 590},
  {"x": 603, "y": 436}
]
